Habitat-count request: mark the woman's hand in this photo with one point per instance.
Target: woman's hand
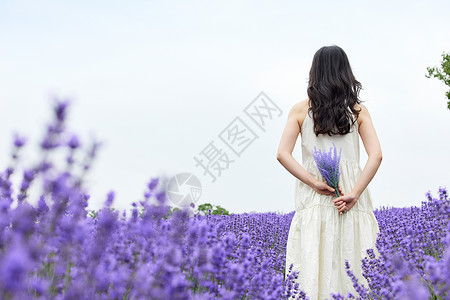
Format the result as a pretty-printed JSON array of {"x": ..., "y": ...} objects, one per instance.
[
  {"x": 324, "y": 189},
  {"x": 345, "y": 202}
]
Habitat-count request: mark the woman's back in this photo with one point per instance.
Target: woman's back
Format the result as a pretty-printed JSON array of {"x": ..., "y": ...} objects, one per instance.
[
  {"x": 349, "y": 143},
  {"x": 326, "y": 232},
  {"x": 320, "y": 240}
]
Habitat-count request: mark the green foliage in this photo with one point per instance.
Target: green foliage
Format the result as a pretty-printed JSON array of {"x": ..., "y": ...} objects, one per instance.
[
  {"x": 171, "y": 211},
  {"x": 93, "y": 214},
  {"x": 209, "y": 209},
  {"x": 204, "y": 208},
  {"x": 442, "y": 74}
]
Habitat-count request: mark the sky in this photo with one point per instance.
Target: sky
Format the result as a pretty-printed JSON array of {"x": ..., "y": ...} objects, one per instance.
[{"x": 160, "y": 82}]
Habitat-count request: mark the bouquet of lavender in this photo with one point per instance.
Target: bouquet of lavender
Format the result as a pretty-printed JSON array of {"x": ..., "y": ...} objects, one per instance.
[{"x": 329, "y": 167}]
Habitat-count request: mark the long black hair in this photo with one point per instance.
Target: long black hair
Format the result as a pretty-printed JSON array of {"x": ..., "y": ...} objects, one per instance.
[{"x": 332, "y": 89}]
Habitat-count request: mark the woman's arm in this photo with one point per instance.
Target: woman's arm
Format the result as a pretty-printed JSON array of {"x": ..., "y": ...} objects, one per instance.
[
  {"x": 373, "y": 149},
  {"x": 287, "y": 143}
]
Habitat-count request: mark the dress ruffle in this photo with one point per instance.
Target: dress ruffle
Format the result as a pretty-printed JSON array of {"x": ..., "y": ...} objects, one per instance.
[{"x": 320, "y": 239}]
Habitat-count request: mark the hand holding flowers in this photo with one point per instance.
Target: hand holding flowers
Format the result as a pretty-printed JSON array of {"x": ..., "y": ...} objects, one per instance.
[
  {"x": 345, "y": 202},
  {"x": 322, "y": 188},
  {"x": 329, "y": 169}
]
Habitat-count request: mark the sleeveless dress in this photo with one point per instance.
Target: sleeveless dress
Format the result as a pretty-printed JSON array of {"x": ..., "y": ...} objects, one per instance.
[{"x": 320, "y": 239}]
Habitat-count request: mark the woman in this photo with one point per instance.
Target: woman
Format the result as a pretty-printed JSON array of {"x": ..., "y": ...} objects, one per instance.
[{"x": 326, "y": 231}]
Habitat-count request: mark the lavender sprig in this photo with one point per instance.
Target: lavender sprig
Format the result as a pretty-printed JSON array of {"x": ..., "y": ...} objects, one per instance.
[{"x": 329, "y": 166}]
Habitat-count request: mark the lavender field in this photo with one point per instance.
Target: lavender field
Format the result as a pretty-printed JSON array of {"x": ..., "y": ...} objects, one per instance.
[{"x": 58, "y": 249}]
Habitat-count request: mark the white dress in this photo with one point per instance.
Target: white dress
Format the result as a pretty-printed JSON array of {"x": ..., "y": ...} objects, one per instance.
[{"x": 320, "y": 239}]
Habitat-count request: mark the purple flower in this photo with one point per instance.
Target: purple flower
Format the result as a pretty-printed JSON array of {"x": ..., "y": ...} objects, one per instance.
[
  {"x": 19, "y": 141},
  {"x": 60, "y": 109},
  {"x": 28, "y": 176},
  {"x": 110, "y": 199},
  {"x": 48, "y": 143},
  {"x": 42, "y": 206},
  {"x": 23, "y": 218},
  {"x": 153, "y": 183},
  {"x": 329, "y": 166},
  {"x": 39, "y": 286},
  {"x": 73, "y": 142},
  {"x": 161, "y": 197},
  {"x": 107, "y": 220},
  {"x": 14, "y": 266}
]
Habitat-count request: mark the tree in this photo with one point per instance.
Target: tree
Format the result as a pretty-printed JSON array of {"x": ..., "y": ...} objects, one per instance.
[
  {"x": 442, "y": 74},
  {"x": 209, "y": 209}
]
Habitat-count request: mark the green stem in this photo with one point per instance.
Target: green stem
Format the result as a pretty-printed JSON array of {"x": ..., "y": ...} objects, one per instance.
[{"x": 336, "y": 191}]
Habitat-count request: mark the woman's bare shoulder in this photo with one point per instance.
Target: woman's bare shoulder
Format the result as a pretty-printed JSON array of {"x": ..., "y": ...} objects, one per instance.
[
  {"x": 359, "y": 106},
  {"x": 300, "y": 109},
  {"x": 300, "y": 106},
  {"x": 363, "y": 112}
]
